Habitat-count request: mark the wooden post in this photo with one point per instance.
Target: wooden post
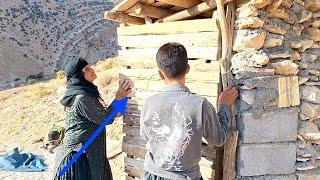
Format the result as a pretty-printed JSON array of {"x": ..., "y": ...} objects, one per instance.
[
  {"x": 124, "y": 18},
  {"x": 184, "y": 3},
  {"x": 146, "y": 10},
  {"x": 192, "y": 11},
  {"x": 229, "y": 157}
]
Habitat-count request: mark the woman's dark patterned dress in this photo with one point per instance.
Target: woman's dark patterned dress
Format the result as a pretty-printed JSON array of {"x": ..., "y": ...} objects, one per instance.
[{"x": 83, "y": 118}]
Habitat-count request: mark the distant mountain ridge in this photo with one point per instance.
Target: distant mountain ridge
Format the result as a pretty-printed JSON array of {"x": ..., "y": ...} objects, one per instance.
[{"x": 38, "y": 36}]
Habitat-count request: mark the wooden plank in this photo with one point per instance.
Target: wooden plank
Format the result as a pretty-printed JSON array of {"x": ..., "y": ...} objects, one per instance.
[
  {"x": 152, "y": 74},
  {"x": 284, "y": 92},
  {"x": 125, "y": 5},
  {"x": 133, "y": 167},
  {"x": 144, "y": 63},
  {"x": 210, "y": 53},
  {"x": 191, "y": 26},
  {"x": 146, "y": 10},
  {"x": 134, "y": 146},
  {"x": 202, "y": 39},
  {"x": 123, "y": 18},
  {"x": 294, "y": 89},
  {"x": 184, "y": 3},
  {"x": 191, "y": 12}
]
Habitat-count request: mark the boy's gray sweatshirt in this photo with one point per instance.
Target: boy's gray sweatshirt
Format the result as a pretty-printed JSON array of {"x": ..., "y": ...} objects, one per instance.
[{"x": 173, "y": 123}]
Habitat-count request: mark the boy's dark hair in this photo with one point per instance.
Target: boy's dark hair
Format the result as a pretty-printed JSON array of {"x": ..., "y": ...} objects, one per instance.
[{"x": 172, "y": 59}]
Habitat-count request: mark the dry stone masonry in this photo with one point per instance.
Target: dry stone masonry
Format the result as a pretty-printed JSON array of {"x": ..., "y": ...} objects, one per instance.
[{"x": 276, "y": 65}]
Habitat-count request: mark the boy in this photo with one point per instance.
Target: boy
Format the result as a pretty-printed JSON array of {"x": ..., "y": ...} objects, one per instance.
[{"x": 174, "y": 121}]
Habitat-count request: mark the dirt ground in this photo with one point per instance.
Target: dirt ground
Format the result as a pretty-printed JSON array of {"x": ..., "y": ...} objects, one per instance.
[{"x": 26, "y": 114}]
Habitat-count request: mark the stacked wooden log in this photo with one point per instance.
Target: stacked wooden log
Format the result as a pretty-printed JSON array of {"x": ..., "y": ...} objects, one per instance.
[
  {"x": 137, "y": 12},
  {"x": 137, "y": 58}
]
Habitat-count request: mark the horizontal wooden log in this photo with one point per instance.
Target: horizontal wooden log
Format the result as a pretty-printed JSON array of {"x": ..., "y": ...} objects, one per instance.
[
  {"x": 146, "y": 10},
  {"x": 210, "y": 53},
  {"x": 202, "y": 39},
  {"x": 125, "y": 5},
  {"x": 124, "y": 18},
  {"x": 144, "y": 63},
  {"x": 191, "y": 12},
  {"x": 135, "y": 146},
  {"x": 184, "y": 3},
  {"x": 191, "y": 26},
  {"x": 133, "y": 167},
  {"x": 152, "y": 74}
]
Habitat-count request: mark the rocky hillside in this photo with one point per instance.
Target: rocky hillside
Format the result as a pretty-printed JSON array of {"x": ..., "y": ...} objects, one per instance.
[{"x": 38, "y": 36}]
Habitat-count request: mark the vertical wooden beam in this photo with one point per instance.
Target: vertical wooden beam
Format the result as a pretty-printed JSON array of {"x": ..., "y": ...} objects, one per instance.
[{"x": 229, "y": 157}]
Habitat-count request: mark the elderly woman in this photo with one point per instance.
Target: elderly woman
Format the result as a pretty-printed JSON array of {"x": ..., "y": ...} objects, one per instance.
[{"x": 85, "y": 112}]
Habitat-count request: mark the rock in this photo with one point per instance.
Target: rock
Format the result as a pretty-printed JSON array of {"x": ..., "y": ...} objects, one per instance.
[
  {"x": 302, "y": 65},
  {"x": 305, "y": 16},
  {"x": 295, "y": 45},
  {"x": 261, "y": 82},
  {"x": 312, "y": 5},
  {"x": 296, "y": 30},
  {"x": 273, "y": 40},
  {"x": 246, "y": 11},
  {"x": 304, "y": 166},
  {"x": 302, "y": 159},
  {"x": 246, "y": 73},
  {"x": 314, "y": 33},
  {"x": 314, "y": 78},
  {"x": 274, "y": 29},
  {"x": 295, "y": 56},
  {"x": 308, "y": 58},
  {"x": 286, "y": 3},
  {"x": 249, "y": 23},
  {"x": 314, "y": 72},
  {"x": 302, "y": 80},
  {"x": 275, "y": 5},
  {"x": 310, "y": 110},
  {"x": 299, "y": 2},
  {"x": 310, "y": 94},
  {"x": 280, "y": 56},
  {"x": 311, "y": 132},
  {"x": 256, "y": 3},
  {"x": 282, "y": 14},
  {"x": 316, "y": 24},
  {"x": 315, "y": 46},
  {"x": 305, "y": 44},
  {"x": 249, "y": 39},
  {"x": 249, "y": 59},
  {"x": 286, "y": 67},
  {"x": 312, "y": 83}
]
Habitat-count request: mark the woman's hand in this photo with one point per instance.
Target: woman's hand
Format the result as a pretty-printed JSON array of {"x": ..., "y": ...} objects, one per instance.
[
  {"x": 228, "y": 96},
  {"x": 124, "y": 89}
]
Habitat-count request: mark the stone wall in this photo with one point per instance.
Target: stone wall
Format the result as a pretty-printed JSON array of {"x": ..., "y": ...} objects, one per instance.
[
  {"x": 38, "y": 36},
  {"x": 276, "y": 65}
]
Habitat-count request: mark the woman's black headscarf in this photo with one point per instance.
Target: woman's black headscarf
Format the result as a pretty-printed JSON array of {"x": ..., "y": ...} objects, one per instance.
[{"x": 76, "y": 83}]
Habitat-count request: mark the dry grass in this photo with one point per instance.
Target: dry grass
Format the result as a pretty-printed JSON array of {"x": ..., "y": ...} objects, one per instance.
[{"x": 60, "y": 75}]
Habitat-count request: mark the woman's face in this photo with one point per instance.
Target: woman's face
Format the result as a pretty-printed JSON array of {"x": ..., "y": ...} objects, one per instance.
[{"x": 89, "y": 73}]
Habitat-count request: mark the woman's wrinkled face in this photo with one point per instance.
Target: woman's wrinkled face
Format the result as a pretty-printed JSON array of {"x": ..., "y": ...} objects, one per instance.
[{"x": 89, "y": 73}]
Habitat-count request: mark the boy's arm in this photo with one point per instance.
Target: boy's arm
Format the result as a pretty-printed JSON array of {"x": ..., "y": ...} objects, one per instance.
[{"x": 215, "y": 126}]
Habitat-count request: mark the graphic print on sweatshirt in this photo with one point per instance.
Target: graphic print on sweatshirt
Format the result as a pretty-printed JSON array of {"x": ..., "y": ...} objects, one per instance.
[{"x": 169, "y": 138}]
